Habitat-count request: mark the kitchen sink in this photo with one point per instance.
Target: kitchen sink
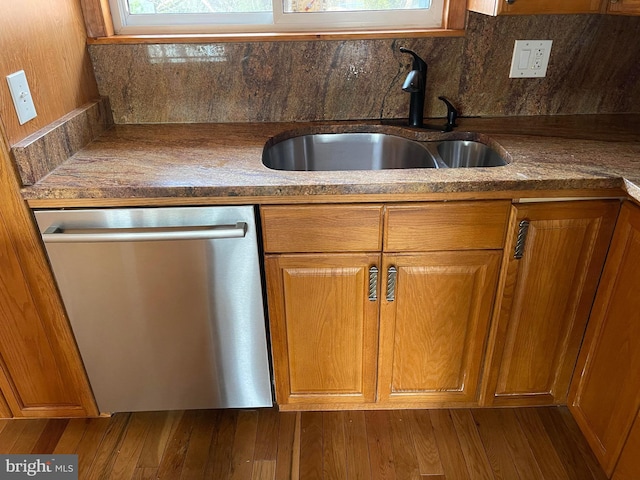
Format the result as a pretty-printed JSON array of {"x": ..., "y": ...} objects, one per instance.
[
  {"x": 375, "y": 151},
  {"x": 347, "y": 151},
  {"x": 466, "y": 153}
]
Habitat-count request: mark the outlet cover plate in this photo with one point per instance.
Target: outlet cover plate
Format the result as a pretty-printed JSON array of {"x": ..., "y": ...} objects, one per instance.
[
  {"x": 530, "y": 58},
  {"x": 21, "y": 96}
]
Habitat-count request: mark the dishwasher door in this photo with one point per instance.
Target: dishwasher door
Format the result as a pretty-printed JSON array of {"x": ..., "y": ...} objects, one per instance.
[{"x": 165, "y": 304}]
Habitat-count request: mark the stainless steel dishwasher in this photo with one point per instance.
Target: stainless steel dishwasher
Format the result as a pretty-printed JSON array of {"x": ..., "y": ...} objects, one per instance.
[{"x": 165, "y": 304}]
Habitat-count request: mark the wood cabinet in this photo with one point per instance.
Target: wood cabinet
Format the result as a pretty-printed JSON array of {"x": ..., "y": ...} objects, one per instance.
[
  {"x": 547, "y": 293},
  {"x": 628, "y": 467},
  {"x": 605, "y": 392},
  {"x": 41, "y": 373},
  {"x": 623, "y": 7},
  {"x": 532, "y": 7},
  {"x": 411, "y": 316},
  {"x": 324, "y": 325}
]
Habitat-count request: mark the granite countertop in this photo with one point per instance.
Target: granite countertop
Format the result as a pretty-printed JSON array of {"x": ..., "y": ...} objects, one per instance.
[{"x": 218, "y": 161}]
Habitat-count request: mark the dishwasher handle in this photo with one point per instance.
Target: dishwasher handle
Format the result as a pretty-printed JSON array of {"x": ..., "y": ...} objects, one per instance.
[{"x": 57, "y": 234}]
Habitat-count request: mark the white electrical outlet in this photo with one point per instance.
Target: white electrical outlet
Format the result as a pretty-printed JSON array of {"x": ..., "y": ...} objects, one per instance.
[
  {"x": 21, "y": 95},
  {"x": 530, "y": 58}
]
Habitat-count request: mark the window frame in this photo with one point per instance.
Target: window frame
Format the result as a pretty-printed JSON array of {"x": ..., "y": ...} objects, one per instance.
[
  {"x": 275, "y": 21},
  {"x": 100, "y": 29}
]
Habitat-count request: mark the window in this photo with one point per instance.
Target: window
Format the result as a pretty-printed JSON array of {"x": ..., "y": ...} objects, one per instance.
[{"x": 249, "y": 16}]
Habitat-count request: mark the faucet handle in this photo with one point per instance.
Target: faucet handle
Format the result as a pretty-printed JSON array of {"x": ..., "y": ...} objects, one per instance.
[{"x": 452, "y": 114}]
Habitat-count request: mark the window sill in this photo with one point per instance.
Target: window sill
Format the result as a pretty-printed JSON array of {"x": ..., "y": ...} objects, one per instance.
[{"x": 273, "y": 37}]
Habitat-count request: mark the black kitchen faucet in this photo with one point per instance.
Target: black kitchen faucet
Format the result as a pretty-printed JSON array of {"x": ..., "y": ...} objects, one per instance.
[{"x": 416, "y": 85}]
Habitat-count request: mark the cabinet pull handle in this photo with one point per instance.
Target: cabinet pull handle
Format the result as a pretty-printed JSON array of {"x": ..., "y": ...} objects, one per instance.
[
  {"x": 373, "y": 283},
  {"x": 510, "y": 1},
  {"x": 521, "y": 240},
  {"x": 392, "y": 273}
]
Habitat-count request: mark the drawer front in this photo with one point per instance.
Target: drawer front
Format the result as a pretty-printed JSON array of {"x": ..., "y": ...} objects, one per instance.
[
  {"x": 429, "y": 227},
  {"x": 322, "y": 228}
]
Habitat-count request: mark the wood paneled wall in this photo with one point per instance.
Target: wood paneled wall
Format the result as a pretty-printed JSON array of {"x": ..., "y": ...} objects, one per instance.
[{"x": 47, "y": 40}]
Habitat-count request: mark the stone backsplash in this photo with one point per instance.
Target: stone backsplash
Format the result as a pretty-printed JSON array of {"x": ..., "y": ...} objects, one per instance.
[{"x": 594, "y": 68}]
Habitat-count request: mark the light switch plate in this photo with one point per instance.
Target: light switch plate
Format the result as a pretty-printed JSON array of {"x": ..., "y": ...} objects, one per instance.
[
  {"x": 530, "y": 58},
  {"x": 21, "y": 96}
]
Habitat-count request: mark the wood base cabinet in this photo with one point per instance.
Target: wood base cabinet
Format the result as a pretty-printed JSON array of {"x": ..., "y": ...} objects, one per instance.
[
  {"x": 628, "y": 467},
  {"x": 533, "y": 7},
  {"x": 552, "y": 263},
  {"x": 623, "y": 7},
  {"x": 41, "y": 372},
  {"x": 402, "y": 326},
  {"x": 605, "y": 392}
]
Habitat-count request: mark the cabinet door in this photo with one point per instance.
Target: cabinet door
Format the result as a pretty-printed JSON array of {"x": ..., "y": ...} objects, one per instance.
[
  {"x": 546, "y": 299},
  {"x": 5, "y": 411},
  {"x": 624, "y": 7},
  {"x": 324, "y": 328},
  {"x": 37, "y": 376},
  {"x": 605, "y": 393},
  {"x": 532, "y": 7},
  {"x": 628, "y": 467},
  {"x": 434, "y": 324}
]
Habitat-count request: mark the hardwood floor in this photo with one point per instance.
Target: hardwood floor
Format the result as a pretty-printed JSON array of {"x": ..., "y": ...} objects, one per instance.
[{"x": 507, "y": 444}]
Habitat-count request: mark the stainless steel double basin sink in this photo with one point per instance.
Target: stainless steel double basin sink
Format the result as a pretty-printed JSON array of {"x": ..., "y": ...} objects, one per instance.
[{"x": 375, "y": 151}]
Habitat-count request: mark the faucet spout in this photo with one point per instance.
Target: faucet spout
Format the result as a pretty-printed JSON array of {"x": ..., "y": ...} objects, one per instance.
[{"x": 415, "y": 84}]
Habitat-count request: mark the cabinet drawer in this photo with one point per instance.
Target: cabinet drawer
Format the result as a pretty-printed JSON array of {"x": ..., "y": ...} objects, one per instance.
[
  {"x": 446, "y": 226},
  {"x": 322, "y": 228}
]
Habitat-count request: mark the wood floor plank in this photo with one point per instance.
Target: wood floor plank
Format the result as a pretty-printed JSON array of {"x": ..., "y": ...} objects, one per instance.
[
  {"x": 405, "y": 460},
  {"x": 3, "y": 423},
  {"x": 380, "y": 446},
  {"x": 107, "y": 451},
  {"x": 69, "y": 441},
  {"x": 161, "y": 429},
  {"x": 521, "y": 452},
  {"x": 172, "y": 461},
  {"x": 580, "y": 442},
  {"x": 90, "y": 443},
  {"x": 220, "y": 450},
  {"x": 564, "y": 444},
  {"x": 145, "y": 473},
  {"x": 50, "y": 436},
  {"x": 29, "y": 436},
  {"x": 495, "y": 445},
  {"x": 197, "y": 456},
  {"x": 10, "y": 434},
  {"x": 264, "y": 470},
  {"x": 471, "y": 444},
  {"x": 297, "y": 435},
  {"x": 449, "y": 447},
  {"x": 550, "y": 463},
  {"x": 357, "y": 448},
  {"x": 311, "y": 446},
  {"x": 267, "y": 436},
  {"x": 131, "y": 447},
  {"x": 284, "y": 455},
  {"x": 244, "y": 444},
  {"x": 425, "y": 444},
  {"x": 334, "y": 459}
]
